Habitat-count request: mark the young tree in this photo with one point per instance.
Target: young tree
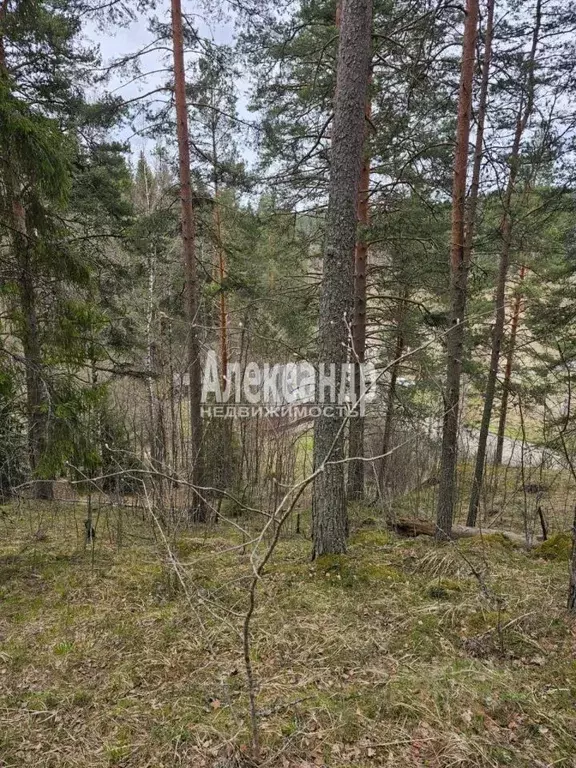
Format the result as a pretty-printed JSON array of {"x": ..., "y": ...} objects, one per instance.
[
  {"x": 458, "y": 281},
  {"x": 329, "y": 524},
  {"x": 41, "y": 68},
  {"x": 524, "y": 112},
  {"x": 516, "y": 311},
  {"x": 199, "y": 512}
]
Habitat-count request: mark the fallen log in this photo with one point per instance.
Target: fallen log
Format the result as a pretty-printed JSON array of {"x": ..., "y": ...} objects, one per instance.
[{"x": 415, "y": 526}]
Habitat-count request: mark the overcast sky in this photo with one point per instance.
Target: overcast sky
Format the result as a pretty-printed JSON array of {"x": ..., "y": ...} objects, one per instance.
[{"x": 120, "y": 41}]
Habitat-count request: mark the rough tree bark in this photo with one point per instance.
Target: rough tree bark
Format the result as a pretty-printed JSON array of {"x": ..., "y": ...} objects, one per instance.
[
  {"x": 220, "y": 253},
  {"x": 458, "y": 282},
  {"x": 524, "y": 112},
  {"x": 199, "y": 511},
  {"x": 356, "y": 430},
  {"x": 219, "y": 471},
  {"x": 479, "y": 143},
  {"x": 329, "y": 519},
  {"x": 517, "y": 308},
  {"x": 36, "y": 405}
]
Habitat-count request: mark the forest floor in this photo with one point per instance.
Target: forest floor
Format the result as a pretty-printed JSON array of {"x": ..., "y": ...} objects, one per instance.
[{"x": 403, "y": 653}]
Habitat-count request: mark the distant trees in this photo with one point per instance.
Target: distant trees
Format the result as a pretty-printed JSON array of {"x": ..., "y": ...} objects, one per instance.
[
  {"x": 98, "y": 305},
  {"x": 524, "y": 111}
]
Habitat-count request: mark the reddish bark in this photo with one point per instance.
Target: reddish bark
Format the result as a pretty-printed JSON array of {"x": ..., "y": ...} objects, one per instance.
[
  {"x": 189, "y": 254},
  {"x": 356, "y": 433},
  {"x": 458, "y": 280}
]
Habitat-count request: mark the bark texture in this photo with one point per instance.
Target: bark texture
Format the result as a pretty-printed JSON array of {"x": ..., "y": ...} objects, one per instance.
[
  {"x": 36, "y": 405},
  {"x": 408, "y": 526},
  {"x": 221, "y": 268},
  {"x": 356, "y": 433},
  {"x": 458, "y": 282},
  {"x": 198, "y": 511},
  {"x": 329, "y": 521}
]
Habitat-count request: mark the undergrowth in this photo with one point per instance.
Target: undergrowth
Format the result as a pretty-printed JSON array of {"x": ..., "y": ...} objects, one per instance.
[{"x": 402, "y": 653}]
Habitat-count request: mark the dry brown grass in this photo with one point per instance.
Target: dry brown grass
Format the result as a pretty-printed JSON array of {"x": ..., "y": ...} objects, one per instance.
[{"x": 393, "y": 656}]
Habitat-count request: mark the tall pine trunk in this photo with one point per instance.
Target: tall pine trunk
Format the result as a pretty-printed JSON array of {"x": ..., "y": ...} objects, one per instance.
[
  {"x": 356, "y": 431},
  {"x": 524, "y": 112},
  {"x": 329, "y": 520},
  {"x": 517, "y": 308},
  {"x": 198, "y": 512},
  {"x": 458, "y": 282}
]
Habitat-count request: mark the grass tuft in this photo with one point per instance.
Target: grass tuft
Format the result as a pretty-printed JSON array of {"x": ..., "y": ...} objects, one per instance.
[{"x": 401, "y": 653}]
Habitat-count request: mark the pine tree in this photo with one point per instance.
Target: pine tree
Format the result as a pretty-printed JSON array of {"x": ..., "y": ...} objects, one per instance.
[
  {"x": 524, "y": 113},
  {"x": 458, "y": 280},
  {"x": 329, "y": 527},
  {"x": 199, "y": 512}
]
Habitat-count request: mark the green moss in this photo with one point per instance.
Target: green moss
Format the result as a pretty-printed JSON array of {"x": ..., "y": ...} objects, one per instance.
[
  {"x": 336, "y": 569},
  {"x": 442, "y": 589},
  {"x": 370, "y": 538},
  {"x": 374, "y": 572},
  {"x": 347, "y": 572},
  {"x": 424, "y": 637},
  {"x": 487, "y": 540},
  {"x": 184, "y": 547},
  {"x": 348, "y": 647},
  {"x": 484, "y": 621},
  {"x": 341, "y": 712},
  {"x": 557, "y": 547}
]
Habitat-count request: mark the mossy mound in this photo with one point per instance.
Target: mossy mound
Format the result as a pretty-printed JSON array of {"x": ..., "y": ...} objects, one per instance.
[
  {"x": 184, "y": 547},
  {"x": 370, "y": 538},
  {"x": 443, "y": 589},
  {"x": 557, "y": 547},
  {"x": 341, "y": 570},
  {"x": 488, "y": 540},
  {"x": 375, "y": 572},
  {"x": 336, "y": 569}
]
